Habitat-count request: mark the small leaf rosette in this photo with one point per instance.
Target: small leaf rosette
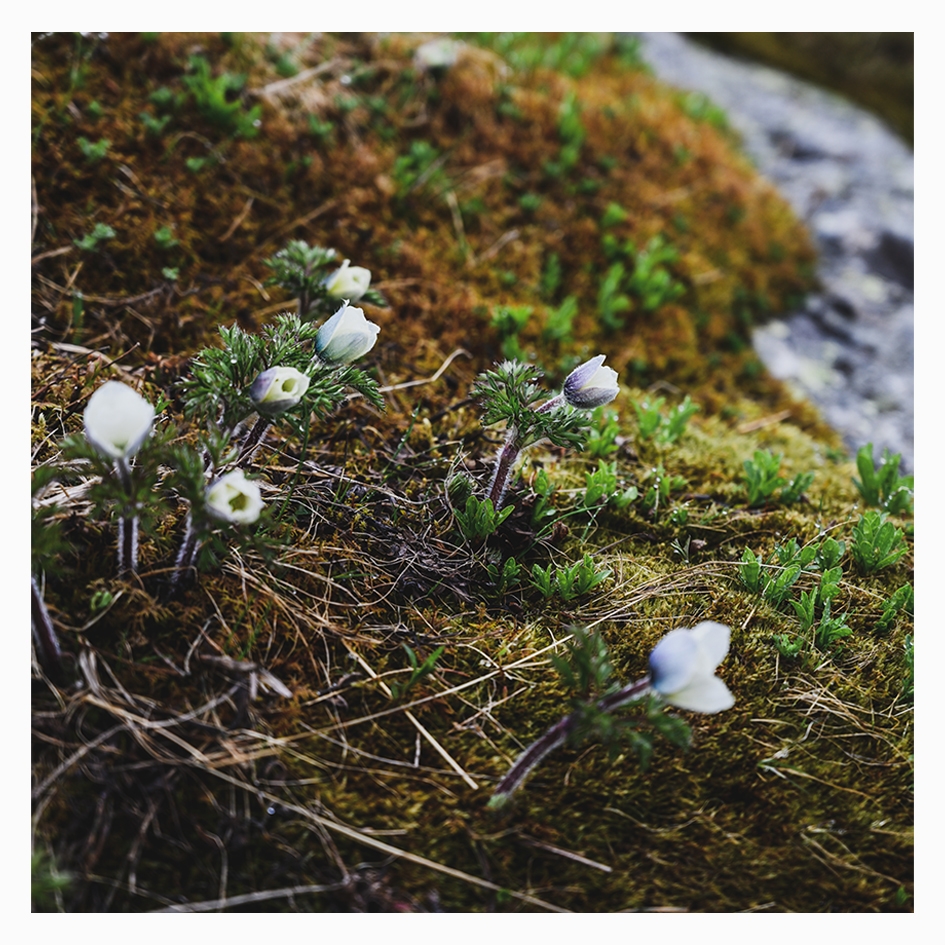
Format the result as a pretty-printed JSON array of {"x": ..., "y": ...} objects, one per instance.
[
  {"x": 234, "y": 498},
  {"x": 278, "y": 389},
  {"x": 349, "y": 282},
  {"x": 591, "y": 385},
  {"x": 117, "y": 420},
  {"x": 346, "y": 336},
  {"x": 683, "y": 664}
]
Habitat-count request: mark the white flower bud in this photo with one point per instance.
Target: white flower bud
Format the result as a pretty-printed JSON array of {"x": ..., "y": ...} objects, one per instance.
[
  {"x": 591, "y": 385},
  {"x": 683, "y": 664},
  {"x": 437, "y": 54},
  {"x": 278, "y": 389},
  {"x": 346, "y": 336},
  {"x": 349, "y": 282},
  {"x": 234, "y": 498},
  {"x": 117, "y": 420}
]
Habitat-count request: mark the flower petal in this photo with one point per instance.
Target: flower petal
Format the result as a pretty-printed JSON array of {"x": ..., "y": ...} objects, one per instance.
[
  {"x": 673, "y": 661},
  {"x": 713, "y": 639},
  {"x": 703, "y": 694},
  {"x": 117, "y": 420},
  {"x": 346, "y": 336}
]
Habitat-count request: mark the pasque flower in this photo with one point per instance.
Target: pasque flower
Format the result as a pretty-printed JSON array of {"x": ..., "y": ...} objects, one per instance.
[
  {"x": 591, "y": 385},
  {"x": 349, "y": 282},
  {"x": 346, "y": 336},
  {"x": 234, "y": 498},
  {"x": 278, "y": 389},
  {"x": 682, "y": 671},
  {"x": 683, "y": 664},
  {"x": 437, "y": 53},
  {"x": 117, "y": 420}
]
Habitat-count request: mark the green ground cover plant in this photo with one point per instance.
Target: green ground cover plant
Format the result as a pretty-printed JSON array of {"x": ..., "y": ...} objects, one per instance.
[{"x": 300, "y": 615}]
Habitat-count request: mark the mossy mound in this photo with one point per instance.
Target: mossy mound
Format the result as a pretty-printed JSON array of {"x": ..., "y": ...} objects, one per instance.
[{"x": 177, "y": 770}]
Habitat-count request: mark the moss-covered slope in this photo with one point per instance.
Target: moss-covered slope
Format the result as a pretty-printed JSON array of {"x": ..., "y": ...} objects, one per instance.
[{"x": 168, "y": 767}]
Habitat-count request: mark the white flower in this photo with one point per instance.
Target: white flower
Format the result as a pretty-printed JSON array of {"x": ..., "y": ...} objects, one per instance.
[
  {"x": 234, "y": 498},
  {"x": 278, "y": 389},
  {"x": 437, "y": 54},
  {"x": 683, "y": 664},
  {"x": 346, "y": 336},
  {"x": 349, "y": 282},
  {"x": 117, "y": 420},
  {"x": 591, "y": 385}
]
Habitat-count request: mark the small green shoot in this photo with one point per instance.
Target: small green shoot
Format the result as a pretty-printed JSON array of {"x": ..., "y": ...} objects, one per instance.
[
  {"x": 421, "y": 166},
  {"x": 653, "y": 425},
  {"x": 94, "y": 151},
  {"x": 762, "y": 477},
  {"x": 101, "y": 233},
  {"x": 218, "y": 101},
  {"x": 508, "y": 321},
  {"x": 551, "y": 276},
  {"x": 479, "y": 519},
  {"x": 661, "y": 486},
  {"x": 881, "y": 486},
  {"x": 570, "y": 582},
  {"x": 580, "y": 578},
  {"x": 544, "y": 511},
  {"x": 613, "y": 215},
  {"x": 602, "y": 440},
  {"x": 560, "y": 323},
  {"x": 164, "y": 238},
  {"x": 876, "y": 542},
  {"x": 601, "y": 488},
  {"x": 153, "y": 127},
  {"x": 418, "y": 670},
  {"x": 529, "y": 202},
  {"x": 611, "y": 300},
  {"x": 902, "y": 599},
  {"x": 507, "y": 576}
]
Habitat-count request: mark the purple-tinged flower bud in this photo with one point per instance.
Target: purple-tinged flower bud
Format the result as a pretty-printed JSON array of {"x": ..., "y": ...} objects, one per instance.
[
  {"x": 591, "y": 385},
  {"x": 683, "y": 664},
  {"x": 346, "y": 336},
  {"x": 117, "y": 420},
  {"x": 278, "y": 389},
  {"x": 234, "y": 498},
  {"x": 349, "y": 282}
]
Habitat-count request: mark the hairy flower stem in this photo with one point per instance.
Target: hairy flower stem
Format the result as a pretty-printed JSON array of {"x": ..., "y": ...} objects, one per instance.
[
  {"x": 556, "y": 736},
  {"x": 184, "y": 563},
  {"x": 503, "y": 468},
  {"x": 127, "y": 526},
  {"x": 47, "y": 643},
  {"x": 510, "y": 452},
  {"x": 127, "y": 545},
  {"x": 253, "y": 440}
]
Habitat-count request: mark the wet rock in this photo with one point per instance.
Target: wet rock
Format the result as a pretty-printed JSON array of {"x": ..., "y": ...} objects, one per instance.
[{"x": 850, "y": 349}]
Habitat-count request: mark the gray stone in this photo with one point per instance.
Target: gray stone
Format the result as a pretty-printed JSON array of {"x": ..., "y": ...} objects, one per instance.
[{"x": 850, "y": 179}]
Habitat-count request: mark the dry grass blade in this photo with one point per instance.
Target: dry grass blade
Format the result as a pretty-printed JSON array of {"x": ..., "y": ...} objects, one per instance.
[{"x": 265, "y": 895}]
